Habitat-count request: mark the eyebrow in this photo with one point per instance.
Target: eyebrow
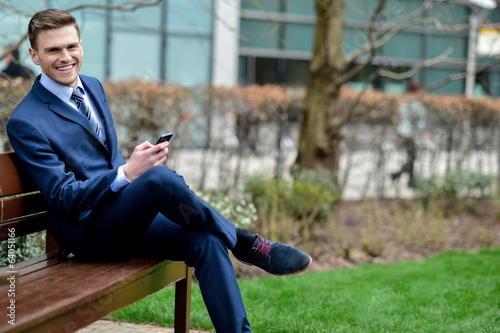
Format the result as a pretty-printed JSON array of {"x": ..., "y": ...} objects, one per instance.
[{"x": 48, "y": 48}]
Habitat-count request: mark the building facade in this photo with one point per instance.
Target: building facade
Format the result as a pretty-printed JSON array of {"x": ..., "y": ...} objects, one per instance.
[
  {"x": 277, "y": 40},
  {"x": 230, "y": 42}
]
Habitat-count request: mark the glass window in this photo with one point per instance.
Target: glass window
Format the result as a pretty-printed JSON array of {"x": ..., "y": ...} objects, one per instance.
[
  {"x": 301, "y": 7},
  {"x": 21, "y": 6},
  {"x": 449, "y": 14},
  {"x": 135, "y": 55},
  {"x": 93, "y": 34},
  {"x": 297, "y": 72},
  {"x": 259, "y": 34},
  {"x": 266, "y": 71},
  {"x": 404, "y": 45},
  {"x": 391, "y": 85},
  {"x": 188, "y": 61},
  {"x": 13, "y": 26},
  {"x": 453, "y": 87},
  {"x": 189, "y": 16},
  {"x": 93, "y": 41},
  {"x": 299, "y": 37},
  {"x": 353, "y": 39},
  {"x": 440, "y": 44},
  {"x": 242, "y": 71},
  {"x": 357, "y": 82},
  {"x": 359, "y": 10},
  {"x": 493, "y": 16},
  {"x": 265, "y": 5},
  {"x": 494, "y": 84},
  {"x": 145, "y": 19},
  {"x": 395, "y": 8}
]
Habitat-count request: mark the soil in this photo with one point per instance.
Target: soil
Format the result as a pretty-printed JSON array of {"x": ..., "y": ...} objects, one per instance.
[{"x": 384, "y": 231}]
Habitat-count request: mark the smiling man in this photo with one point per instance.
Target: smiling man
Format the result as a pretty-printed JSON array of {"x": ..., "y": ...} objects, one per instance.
[
  {"x": 59, "y": 53},
  {"x": 103, "y": 207}
]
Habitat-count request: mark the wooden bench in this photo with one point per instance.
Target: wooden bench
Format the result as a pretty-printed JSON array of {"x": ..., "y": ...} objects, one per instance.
[{"x": 46, "y": 294}]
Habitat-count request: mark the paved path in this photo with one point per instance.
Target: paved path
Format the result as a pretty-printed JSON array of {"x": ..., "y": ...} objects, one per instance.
[{"x": 105, "y": 326}]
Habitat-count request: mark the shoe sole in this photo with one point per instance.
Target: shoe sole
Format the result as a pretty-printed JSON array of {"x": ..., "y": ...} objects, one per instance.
[{"x": 288, "y": 274}]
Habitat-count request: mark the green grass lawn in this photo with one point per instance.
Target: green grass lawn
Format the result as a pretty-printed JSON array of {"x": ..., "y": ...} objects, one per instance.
[{"x": 451, "y": 292}]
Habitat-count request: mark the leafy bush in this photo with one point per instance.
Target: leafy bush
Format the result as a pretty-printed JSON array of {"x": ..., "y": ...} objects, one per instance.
[
  {"x": 26, "y": 247},
  {"x": 143, "y": 110},
  {"x": 458, "y": 190},
  {"x": 11, "y": 93},
  {"x": 294, "y": 208},
  {"x": 237, "y": 210}
]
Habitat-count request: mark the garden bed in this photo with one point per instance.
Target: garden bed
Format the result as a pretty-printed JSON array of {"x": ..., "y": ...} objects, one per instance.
[{"x": 386, "y": 230}]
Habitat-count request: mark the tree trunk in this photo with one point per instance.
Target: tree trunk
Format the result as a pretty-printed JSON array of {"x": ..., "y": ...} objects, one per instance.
[{"x": 319, "y": 144}]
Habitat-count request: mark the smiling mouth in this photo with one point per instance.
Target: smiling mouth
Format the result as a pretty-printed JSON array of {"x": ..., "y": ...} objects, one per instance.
[{"x": 65, "y": 68}]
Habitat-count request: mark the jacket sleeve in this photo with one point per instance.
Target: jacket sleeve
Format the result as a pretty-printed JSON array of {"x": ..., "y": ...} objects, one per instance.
[{"x": 56, "y": 180}]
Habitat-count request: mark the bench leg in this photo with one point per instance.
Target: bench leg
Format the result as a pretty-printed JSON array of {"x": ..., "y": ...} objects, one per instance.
[{"x": 183, "y": 302}]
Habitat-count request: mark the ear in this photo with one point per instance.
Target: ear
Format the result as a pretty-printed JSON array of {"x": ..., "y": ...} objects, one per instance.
[{"x": 34, "y": 56}]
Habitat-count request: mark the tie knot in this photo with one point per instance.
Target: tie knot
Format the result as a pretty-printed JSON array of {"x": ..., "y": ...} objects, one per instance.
[{"x": 77, "y": 93}]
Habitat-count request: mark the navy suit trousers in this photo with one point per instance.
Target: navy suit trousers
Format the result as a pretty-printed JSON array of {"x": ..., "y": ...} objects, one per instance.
[{"x": 158, "y": 216}]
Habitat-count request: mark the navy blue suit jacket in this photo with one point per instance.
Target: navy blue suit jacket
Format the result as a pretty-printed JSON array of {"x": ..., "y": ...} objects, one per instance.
[{"x": 61, "y": 152}]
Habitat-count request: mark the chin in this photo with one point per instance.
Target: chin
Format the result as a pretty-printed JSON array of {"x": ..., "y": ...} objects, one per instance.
[{"x": 67, "y": 81}]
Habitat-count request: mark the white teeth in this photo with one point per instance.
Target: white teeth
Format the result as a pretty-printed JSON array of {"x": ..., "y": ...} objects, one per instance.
[{"x": 65, "y": 68}]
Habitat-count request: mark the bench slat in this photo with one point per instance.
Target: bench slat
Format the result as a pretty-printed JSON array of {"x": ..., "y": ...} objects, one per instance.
[
  {"x": 43, "y": 259},
  {"x": 23, "y": 226},
  {"x": 16, "y": 207},
  {"x": 84, "y": 271}
]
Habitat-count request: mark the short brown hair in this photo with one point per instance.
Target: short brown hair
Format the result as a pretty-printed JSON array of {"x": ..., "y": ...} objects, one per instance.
[{"x": 49, "y": 19}]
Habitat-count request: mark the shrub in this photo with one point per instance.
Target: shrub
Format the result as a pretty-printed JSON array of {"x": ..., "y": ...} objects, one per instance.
[
  {"x": 458, "y": 190},
  {"x": 237, "y": 210},
  {"x": 26, "y": 247},
  {"x": 294, "y": 208}
]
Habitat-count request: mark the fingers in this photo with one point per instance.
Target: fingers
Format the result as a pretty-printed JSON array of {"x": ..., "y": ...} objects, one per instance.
[
  {"x": 143, "y": 146},
  {"x": 163, "y": 145},
  {"x": 162, "y": 148},
  {"x": 155, "y": 148},
  {"x": 155, "y": 154}
]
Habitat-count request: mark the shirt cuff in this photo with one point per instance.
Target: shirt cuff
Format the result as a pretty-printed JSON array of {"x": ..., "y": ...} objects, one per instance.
[{"x": 120, "y": 181}]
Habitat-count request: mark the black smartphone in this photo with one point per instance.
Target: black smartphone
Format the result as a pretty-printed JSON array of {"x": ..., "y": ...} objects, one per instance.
[{"x": 165, "y": 137}]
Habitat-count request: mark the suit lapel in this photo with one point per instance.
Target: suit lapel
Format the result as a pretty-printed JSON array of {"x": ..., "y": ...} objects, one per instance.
[{"x": 58, "y": 106}]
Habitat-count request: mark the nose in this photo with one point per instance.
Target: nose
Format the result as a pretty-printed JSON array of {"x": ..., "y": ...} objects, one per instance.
[{"x": 65, "y": 56}]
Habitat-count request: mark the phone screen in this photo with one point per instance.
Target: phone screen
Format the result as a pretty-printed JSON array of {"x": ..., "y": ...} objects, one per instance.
[{"x": 165, "y": 137}]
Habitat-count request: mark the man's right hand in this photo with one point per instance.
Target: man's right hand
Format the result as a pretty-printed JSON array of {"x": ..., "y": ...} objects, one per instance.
[{"x": 144, "y": 157}]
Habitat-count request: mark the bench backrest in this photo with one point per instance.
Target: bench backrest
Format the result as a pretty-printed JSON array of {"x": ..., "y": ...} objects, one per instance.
[{"x": 22, "y": 206}]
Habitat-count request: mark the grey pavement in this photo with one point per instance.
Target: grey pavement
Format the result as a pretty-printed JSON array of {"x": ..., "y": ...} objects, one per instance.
[{"x": 105, "y": 326}]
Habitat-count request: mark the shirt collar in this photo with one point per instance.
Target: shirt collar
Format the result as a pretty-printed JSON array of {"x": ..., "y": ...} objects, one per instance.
[{"x": 60, "y": 90}]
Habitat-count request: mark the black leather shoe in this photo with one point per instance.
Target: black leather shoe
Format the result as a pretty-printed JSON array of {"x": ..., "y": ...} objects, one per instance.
[{"x": 275, "y": 258}]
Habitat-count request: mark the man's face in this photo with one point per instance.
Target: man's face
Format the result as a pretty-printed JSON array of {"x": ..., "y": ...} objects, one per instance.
[{"x": 59, "y": 54}]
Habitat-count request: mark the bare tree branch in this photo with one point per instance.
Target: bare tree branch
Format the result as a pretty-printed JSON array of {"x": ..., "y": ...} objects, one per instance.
[
  {"x": 387, "y": 31},
  {"x": 371, "y": 45},
  {"x": 460, "y": 76},
  {"x": 424, "y": 64},
  {"x": 351, "y": 58},
  {"x": 127, "y": 6}
]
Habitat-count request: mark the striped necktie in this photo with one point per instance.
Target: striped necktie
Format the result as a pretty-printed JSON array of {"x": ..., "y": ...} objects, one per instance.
[{"x": 83, "y": 107}]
